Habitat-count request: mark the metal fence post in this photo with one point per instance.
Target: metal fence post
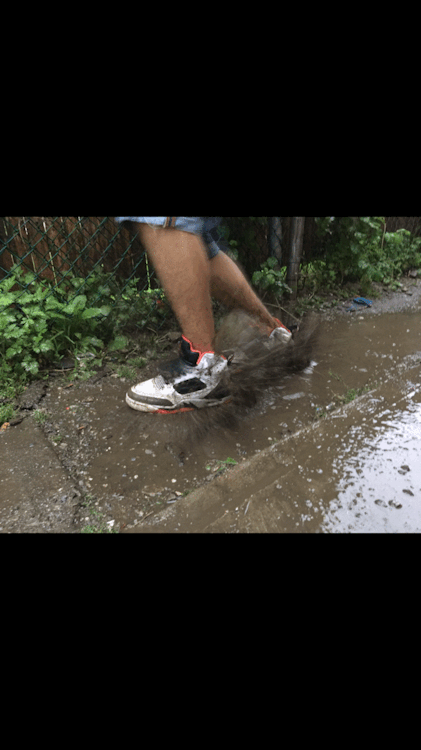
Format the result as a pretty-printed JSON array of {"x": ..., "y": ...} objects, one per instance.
[{"x": 295, "y": 252}]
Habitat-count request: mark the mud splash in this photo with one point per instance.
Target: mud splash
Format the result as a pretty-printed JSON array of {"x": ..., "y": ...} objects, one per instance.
[{"x": 254, "y": 370}]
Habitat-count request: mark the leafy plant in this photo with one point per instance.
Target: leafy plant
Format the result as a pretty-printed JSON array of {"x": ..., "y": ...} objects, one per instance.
[
  {"x": 359, "y": 249},
  {"x": 7, "y": 412},
  {"x": 40, "y": 323},
  {"x": 271, "y": 278}
]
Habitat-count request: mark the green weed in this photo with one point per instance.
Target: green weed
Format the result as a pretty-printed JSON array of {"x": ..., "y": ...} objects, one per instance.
[
  {"x": 7, "y": 412},
  {"x": 98, "y": 525},
  {"x": 40, "y": 416},
  {"x": 228, "y": 462},
  {"x": 271, "y": 278},
  {"x": 359, "y": 249},
  {"x": 125, "y": 371},
  {"x": 351, "y": 393},
  {"x": 41, "y": 323}
]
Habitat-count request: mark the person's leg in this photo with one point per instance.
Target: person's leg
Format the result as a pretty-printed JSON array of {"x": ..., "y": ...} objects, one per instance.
[
  {"x": 189, "y": 274},
  {"x": 181, "y": 262},
  {"x": 190, "y": 280},
  {"x": 183, "y": 268},
  {"x": 229, "y": 286}
]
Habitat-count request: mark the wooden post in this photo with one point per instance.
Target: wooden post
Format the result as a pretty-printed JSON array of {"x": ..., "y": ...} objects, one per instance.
[{"x": 295, "y": 251}]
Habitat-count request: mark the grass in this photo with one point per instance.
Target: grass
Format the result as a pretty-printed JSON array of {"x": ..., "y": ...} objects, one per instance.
[
  {"x": 227, "y": 462},
  {"x": 40, "y": 416},
  {"x": 126, "y": 371},
  {"x": 98, "y": 524},
  {"x": 353, "y": 393},
  {"x": 7, "y": 412},
  {"x": 10, "y": 388},
  {"x": 346, "y": 398}
]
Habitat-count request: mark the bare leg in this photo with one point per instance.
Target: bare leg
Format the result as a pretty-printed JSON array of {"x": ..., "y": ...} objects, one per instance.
[
  {"x": 190, "y": 279},
  {"x": 229, "y": 286},
  {"x": 182, "y": 266}
]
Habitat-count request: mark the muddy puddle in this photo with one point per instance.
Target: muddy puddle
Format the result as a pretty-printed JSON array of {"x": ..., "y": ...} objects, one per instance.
[
  {"x": 135, "y": 465},
  {"x": 376, "y": 472},
  {"x": 357, "y": 472}
]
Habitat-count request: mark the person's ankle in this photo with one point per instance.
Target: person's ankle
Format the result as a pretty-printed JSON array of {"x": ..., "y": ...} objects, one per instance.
[
  {"x": 201, "y": 347},
  {"x": 279, "y": 324}
]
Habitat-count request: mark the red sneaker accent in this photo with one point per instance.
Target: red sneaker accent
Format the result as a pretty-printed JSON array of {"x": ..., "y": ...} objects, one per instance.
[
  {"x": 280, "y": 325},
  {"x": 174, "y": 411},
  {"x": 198, "y": 351}
]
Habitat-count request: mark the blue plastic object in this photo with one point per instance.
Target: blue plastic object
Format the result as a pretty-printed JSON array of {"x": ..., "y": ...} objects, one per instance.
[{"x": 363, "y": 301}]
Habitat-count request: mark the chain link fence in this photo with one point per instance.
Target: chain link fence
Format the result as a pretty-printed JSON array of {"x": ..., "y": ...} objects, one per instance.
[
  {"x": 84, "y": 254},
  {"x": 56, "y": 247},
  {"x": 75, "y": 254},
  {"x": 71, "y": 252}
]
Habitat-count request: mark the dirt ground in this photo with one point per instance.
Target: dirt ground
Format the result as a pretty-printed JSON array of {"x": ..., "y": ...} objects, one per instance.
[{"x": 77, "y": 459}]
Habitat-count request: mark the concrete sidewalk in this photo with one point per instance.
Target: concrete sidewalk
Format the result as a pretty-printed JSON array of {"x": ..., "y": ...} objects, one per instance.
[
  {"x": 358, "y": 469},
  {"x": 36, "y": 493},
  {"x": 314, "y": 481}
]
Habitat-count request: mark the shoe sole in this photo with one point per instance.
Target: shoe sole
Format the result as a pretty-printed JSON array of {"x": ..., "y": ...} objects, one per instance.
[{"x": 150, "y": 409}]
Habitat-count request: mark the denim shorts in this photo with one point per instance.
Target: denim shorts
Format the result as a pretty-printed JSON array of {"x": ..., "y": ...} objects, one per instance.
[{"x": 205, "y": 226}]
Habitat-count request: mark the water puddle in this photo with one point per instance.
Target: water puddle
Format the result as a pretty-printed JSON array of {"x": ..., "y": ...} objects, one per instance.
[
  {"x": 378, "y": 473},
  {"x": 358, "y": 469}
]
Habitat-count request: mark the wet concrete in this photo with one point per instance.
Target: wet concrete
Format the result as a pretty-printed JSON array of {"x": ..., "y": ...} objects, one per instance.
[
  {"x": 301, "y": 460},
  {"x": 36, "y": 494},
  {"x": 357, "y": 471}
]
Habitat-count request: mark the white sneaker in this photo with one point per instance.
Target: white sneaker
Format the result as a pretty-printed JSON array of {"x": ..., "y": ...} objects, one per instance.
[
  {"x": 282, "y": 334},
  {"x": 190, "y": 383}
]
